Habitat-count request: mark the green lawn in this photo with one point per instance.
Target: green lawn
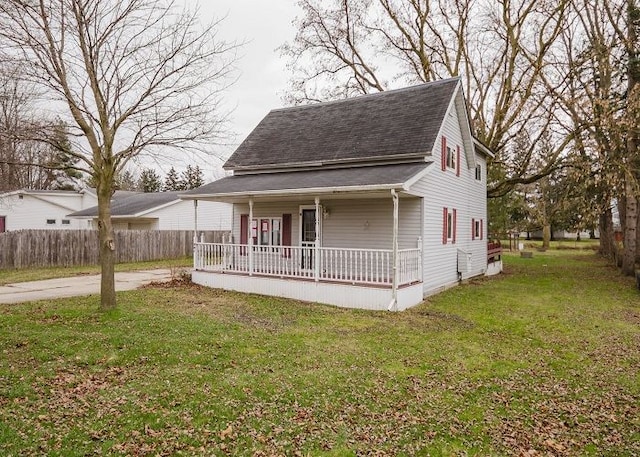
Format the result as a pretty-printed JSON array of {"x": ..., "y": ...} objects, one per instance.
[
  {"x": 10, "y": 276},
  {"x": 542, "y": 360}
]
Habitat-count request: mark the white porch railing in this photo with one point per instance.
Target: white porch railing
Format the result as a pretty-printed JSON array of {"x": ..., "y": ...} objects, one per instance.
[{"x": 361, "y": 266}]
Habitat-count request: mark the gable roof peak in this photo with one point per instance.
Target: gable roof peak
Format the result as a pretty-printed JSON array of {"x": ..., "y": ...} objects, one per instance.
[
  {"x": 398, "y": 123},
  {"x": 372, "y": 95}
]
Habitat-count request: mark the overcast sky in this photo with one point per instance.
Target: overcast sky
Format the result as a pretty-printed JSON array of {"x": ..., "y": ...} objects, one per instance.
[{"x": 263, "y": 26}]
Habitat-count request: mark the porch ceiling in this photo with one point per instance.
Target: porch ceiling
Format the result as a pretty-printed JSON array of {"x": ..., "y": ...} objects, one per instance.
[{"x": 338, "y": 183}]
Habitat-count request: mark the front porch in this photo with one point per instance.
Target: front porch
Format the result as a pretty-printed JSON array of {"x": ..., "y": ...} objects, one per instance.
[{"x": 376, "y": 279}]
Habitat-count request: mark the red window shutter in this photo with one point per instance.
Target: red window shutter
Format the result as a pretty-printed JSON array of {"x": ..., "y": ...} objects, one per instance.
[
  {"x": 481, "y": 229},
  {"x": 444, "y": 153},
  {"x": 473, "y": 229},
  {"x": 458, "y": 161},
  {"x": 286, "y": 234},
  {"x": 244, "y": 228},
  {"x": 445, "y": 213},
  {"x": 453, "y": 240}
]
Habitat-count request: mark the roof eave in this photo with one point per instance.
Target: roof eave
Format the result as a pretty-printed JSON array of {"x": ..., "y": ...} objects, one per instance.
[
  {"x": 481, "y": 147},
  {"x": 299, "y": 191},
  {"x": 157, "y": 208},
  {"x": 316, "y": 164}
]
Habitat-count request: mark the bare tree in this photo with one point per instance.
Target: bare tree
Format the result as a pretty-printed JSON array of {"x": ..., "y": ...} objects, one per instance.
[
  {"x": 629, "y": 37},
  {"x": 134, "y": 76},
  {"x": 501, "y": 49},
  {"x": 600, "y": 51},
  {"x": 594, "y": 104}
]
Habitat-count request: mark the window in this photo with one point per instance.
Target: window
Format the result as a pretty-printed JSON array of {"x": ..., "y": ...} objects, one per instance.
[
  {"x": 449, "y": 223},
  {"x": 479, "y": 172},
  {"x": 51, "y": 222},
  {"x": 66, "y": 222},
  {"x": 451, "y": 158},
  {"x": 477, "y": 226},
  {"x": 267, "y": 231}
]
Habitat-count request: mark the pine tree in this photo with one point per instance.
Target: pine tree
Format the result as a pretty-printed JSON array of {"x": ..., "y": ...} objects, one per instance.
[
  {"x": 126, "y": 181},
  {"x": 149, "y": 181},
  {"x": 64, "y": 173},
  {"x": 192, "y": 178},
  {"x": 172, "y": 181}
]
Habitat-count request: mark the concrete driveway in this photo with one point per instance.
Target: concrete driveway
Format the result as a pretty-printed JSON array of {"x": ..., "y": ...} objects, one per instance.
[{"x": 76, "y": 286}]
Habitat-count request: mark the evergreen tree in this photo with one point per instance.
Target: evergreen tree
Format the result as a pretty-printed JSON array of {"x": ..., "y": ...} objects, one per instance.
[
  {"x": 126, "y": 181},
  {"x": 63, "y": 162},
  {"x": 172, "y": 181},
  {"x": 192, "y": 177},
  {"x": 149, "y": 181}
]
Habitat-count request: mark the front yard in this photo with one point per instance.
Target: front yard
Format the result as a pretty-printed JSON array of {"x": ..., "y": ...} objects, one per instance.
[{"x": 542, "y": 360}]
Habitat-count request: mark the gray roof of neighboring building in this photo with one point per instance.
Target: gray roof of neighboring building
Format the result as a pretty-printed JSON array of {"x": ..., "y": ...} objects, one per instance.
[
  {"x": 133, "y": 204},
  {"x": 388, "y": 124},
  {"x": 329, "y": 179}
]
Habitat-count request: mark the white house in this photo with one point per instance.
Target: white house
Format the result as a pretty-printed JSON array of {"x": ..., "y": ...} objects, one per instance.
[
  {"x": 371, "y": 202},
  {"x": 161, "y": 211},
  {"x": 43, "y": 209}
]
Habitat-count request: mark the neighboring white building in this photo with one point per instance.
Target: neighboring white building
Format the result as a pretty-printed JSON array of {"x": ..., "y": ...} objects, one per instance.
[
  {"x": 43, "y": 209},
  {"x": 160, "y": 211},
  {"x": 371, "y": 202}
]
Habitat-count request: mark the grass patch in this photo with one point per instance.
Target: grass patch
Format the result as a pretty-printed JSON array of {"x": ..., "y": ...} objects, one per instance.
[
  {"x": 10, "y": 276},
  {"x": 543, "y": 360}
]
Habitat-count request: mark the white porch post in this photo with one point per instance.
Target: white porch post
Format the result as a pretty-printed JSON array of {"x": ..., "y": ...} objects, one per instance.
[
  {"x": 394, "y": 284},
  {"x": 250, "y": 238},
  {"x": 195, "y": 219},
  {"x": 316, "y": 256},
  {"x": 195, "y": 234},
  {"x": 420, "y": 278}
]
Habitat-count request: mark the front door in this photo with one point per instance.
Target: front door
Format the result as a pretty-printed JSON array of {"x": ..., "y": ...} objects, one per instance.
[{"x": 308, "y": 237}]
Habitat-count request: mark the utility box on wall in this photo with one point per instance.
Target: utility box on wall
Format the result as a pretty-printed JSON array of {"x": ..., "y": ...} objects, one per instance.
[{"x": 464, "y": 261}]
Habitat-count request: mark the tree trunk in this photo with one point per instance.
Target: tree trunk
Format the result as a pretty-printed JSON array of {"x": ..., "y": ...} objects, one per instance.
[
  {"x": 630, "y": 228},
  {"x": 107, "y": 249},
  {"x": 633, "y": 115},
  {"x": 546, "y": 236},
  {"x": 607, "y": 241},
  {"x": 637, "y": 260}
]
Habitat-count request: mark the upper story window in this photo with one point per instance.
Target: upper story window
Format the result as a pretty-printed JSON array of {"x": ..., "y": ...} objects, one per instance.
[
  {"x": 51, "y": 222},
  {"x": 479, "y": 172},
  {"x": 450, "y": 156},
  {"x": 66, "y": 222}
]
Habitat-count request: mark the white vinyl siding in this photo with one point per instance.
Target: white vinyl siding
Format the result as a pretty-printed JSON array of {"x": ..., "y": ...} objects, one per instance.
[
  {"x": 369, "y": 223},
  {"x": 181, "y": 216},
  {"x": 29, "y": 212},
  {"x": 365, "y": 223},
  {"x": 446, "y": 190}
]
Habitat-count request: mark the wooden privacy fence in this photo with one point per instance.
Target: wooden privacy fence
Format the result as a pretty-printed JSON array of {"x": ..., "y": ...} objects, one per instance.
[{"x": 64, "y": 248}]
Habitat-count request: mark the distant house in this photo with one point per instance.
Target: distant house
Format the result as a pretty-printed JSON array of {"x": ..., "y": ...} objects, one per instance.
[
  {"x": 563, "y": 234},
  {"x": 160, "y": 211},
  {"x": 371, "y": 202},
  {"x": 43, "y": 209}
]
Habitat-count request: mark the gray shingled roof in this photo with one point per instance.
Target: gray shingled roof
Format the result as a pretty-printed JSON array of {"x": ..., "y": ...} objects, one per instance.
[
  {"x": 329, "y": 179},
  {"x": 392, "y": 123},
  {"x": 132, "y": 205}
]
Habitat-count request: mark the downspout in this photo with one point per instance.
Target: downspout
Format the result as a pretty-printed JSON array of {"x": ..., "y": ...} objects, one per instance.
[
  {"x": 250, "y": 236},
  {"x": 316, "y": 257},
  {"x": 393, "y": 306}
]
